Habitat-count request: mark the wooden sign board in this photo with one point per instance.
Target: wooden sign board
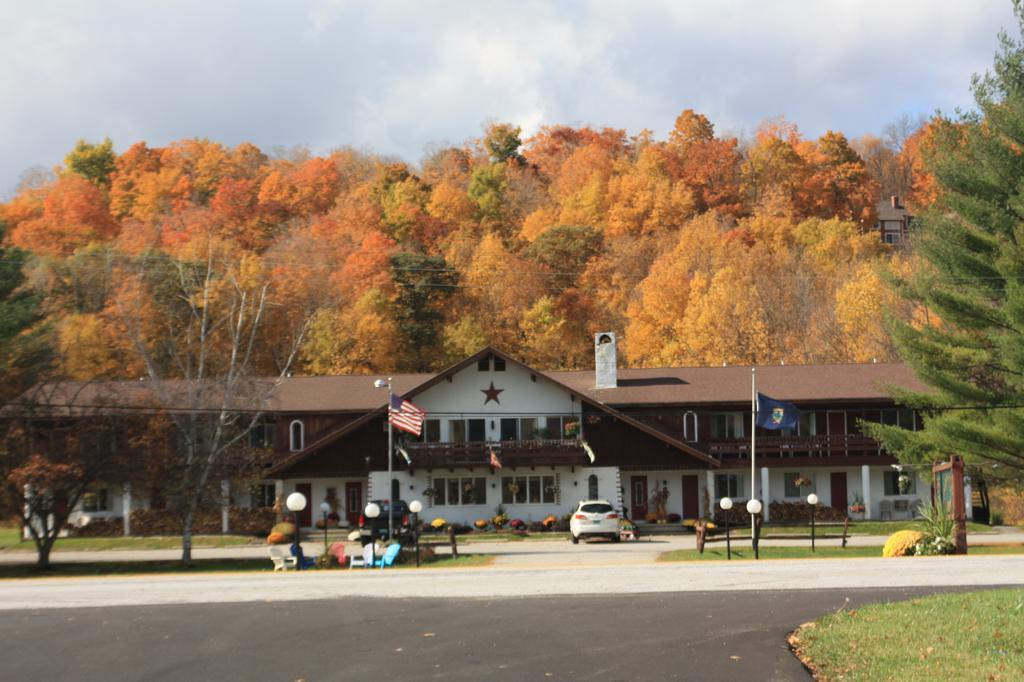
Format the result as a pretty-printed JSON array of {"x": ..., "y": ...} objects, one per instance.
[{"x": 948, "y": 490}]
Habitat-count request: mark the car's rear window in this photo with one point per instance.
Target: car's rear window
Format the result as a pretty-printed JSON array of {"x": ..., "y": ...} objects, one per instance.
[{"x": 596, "y": 508}]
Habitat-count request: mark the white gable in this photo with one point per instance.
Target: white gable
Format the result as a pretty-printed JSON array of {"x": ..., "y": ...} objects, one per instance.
[{"x": 519, "y": 395}]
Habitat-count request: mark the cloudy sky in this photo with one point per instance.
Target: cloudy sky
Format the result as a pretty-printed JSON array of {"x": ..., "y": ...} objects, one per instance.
[{"x": 397, "y": 76}]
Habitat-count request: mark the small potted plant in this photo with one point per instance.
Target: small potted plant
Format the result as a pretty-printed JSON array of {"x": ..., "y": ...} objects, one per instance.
[
  {"x": 572, "y": 429},
  {"x": 903, "y": 482},
  {"x": 803, "y": 482}
]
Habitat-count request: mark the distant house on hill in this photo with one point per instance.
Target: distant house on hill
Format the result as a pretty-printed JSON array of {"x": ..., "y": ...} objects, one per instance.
[{"x": 893, "y": 220}]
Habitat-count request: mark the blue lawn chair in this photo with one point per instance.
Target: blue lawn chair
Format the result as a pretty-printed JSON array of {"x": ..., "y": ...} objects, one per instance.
[
  {"x": 390, "y": 554},
  {"x": 301, "y": 559}
]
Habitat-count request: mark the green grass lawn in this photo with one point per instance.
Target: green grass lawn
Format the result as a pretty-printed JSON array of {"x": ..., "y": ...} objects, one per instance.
[
  {"x": 970, "y": 636},
  {"x": 744, "y": 551},
  {"x": 9, "y": 542},
  {"x": 442, "y": 539},
  {"x": 101, "y": 568}
]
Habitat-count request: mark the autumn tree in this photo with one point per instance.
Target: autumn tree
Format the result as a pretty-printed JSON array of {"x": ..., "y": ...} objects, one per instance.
[{"x": 94, "y": 162}]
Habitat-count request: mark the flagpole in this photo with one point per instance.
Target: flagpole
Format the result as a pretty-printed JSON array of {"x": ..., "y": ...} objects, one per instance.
[
  {"x": 391, "y": 505},
  {"x": 753, "y": 440}
]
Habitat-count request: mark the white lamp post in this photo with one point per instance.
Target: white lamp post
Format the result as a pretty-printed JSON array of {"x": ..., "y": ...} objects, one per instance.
[
  {"x": 372, "y": 511},
  {"x": 726, "y": 505},
  {"x": 754, "y": 509},
  {"x": 416, "y": 507},
  {"x": 325, "y": 509},
  {"x": 296, "y": 502},
  {"x": 812, "y": 500},
  {"x": 381, "y": 383}
]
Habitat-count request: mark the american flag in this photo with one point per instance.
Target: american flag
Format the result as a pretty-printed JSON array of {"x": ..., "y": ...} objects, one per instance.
[
  {"x": 405, "y": 416},
  {"x": 495, "y": 462}
]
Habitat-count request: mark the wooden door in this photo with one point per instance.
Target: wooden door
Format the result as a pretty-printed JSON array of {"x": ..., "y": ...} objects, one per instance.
[
  {"x": 838, "y": 481},
  {"x": 353, "y": 501},
  {"x": 638, "y": 504},
  {"x": 306, "y": 515},
  {"x": 691, "y": 497}
]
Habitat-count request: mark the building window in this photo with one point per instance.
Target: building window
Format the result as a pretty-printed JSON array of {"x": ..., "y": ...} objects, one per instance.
[
  {"x": 528, "y": 490},
  {"x": 483, "y": 365},
  {"x": 728, "y": 425},
  {"x": 901, "y": 418},
  {"x": 432, "y": 431},
  {"x": 454, "y": 491},
  {"x": 297, "y": 433},
  {"x": 262, "y": 435},
  {"x": 690, "y": 432},
  {"x": 792, "y": 489},
  {"x": 892, "y": 483},
  {"x": 499, "y": 364},
  {"x": 509, "y": 429},
  {"x": 262, "y": 495},
  {"x": 97, "y": 500},
  {"x": 592, "y": 492},
  {"x": 808, "y": 424},
  {"x": 467, "y": 430},
  {"x": 727, "y": 485},
  {"x": 528, "y": 429}
]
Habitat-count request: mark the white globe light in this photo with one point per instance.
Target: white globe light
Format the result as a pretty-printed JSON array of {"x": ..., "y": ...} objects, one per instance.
[
  {"x": 754, "y": 506},
  {"x": 380, "y": 383},
  {"x": 812, "y": 499},
  {"x": 296, "y": 502},
  {"x": 415, "y": 506},
  {"x": 325, "y": 508},
  {"x": 372, "y": 511},
  {"x": 726, "y": 503}
]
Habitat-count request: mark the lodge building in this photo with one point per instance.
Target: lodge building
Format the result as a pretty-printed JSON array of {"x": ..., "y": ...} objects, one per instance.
[{"x": 563, "y": 436}]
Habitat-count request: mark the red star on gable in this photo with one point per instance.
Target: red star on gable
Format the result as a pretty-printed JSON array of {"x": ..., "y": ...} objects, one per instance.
[{"x": 491, "y": 393}]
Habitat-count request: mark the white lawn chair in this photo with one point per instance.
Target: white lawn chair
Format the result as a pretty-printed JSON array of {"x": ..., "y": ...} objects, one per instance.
[{"x": 282, "y": 561}]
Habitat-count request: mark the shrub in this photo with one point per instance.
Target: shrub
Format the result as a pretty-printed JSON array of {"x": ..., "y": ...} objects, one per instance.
[
  {"x": 517, "y": 524},
  {"x": 901, "y": 543},
  {"x": 481, "y": 524},
  {"x": 499, "y": 521},
  {"x": 561, "y": 526},
  {"x": 99, "y": 528},
  {"x": 284, "y": 528},
  {"x": 651, "y": 517},
  {"x": 536, "y": 527},
  {"x": 673, "y": 518},
  {"x": 427, "y": 528},
  {"x": 549, "y": 521},
  {"x": 461, "y": 528},
  {"x": 800, "y": 512},
  {"x": 438, "y": 523},
  {"x": 278, "y": 538},
  {"x": 408, "y": 555},
  {"x": 938, "y": 528}
]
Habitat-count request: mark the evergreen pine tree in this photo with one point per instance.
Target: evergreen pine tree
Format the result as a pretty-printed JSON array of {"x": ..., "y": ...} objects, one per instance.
[{"x": 966, "y": 342}]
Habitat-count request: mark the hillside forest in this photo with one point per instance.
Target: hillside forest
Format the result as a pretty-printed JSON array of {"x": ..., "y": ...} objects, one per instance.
[{"x": 698, "y": 249}]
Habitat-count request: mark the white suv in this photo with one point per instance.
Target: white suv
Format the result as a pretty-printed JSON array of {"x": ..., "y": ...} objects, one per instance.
[{"x": 594, "y": 517}]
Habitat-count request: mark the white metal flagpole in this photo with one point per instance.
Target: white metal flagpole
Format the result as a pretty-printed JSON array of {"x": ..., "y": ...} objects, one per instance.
[
  {"x": 391, "y": 504},
  {"x": 753, "y": 439}
]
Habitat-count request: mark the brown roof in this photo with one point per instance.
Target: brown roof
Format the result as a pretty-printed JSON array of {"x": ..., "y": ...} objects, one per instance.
[
  {"x": 887, "y": 212},
  {"x": 647, "y": 386},
  {"x": 701, "y": 385}
]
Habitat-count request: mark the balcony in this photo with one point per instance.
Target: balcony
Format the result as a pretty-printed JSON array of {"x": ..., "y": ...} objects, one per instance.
[
  {"x": 515, "y": 453},
  {"x": 840, "y": 445}
]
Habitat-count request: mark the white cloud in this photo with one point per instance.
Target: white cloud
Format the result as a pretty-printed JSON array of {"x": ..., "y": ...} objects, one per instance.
[{"x": 397, "y": 76}]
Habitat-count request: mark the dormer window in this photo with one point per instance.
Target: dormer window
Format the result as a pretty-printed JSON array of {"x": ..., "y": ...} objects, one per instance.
[
  {"x": 297, "y": 433},
  {"x": 483, "y": 365},
  {"x": 499, "y": 364}
]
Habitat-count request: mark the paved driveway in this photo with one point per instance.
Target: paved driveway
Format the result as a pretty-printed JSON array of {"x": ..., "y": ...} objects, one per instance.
[{"x": 687, "y": 636}]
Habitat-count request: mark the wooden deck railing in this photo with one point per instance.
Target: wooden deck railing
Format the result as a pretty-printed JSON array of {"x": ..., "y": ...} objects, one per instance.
[
  {"x": 802, "y": 446},
  {"x": 538, "y": 452}
]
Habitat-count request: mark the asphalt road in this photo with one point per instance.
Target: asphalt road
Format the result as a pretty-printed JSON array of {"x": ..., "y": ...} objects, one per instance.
[{"x": 689, "y": 636}]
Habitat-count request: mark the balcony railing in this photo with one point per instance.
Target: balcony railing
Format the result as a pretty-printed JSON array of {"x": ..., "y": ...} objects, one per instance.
[
  {"x": 538, "y": 452},
  {"x": 797, "y": 446}
]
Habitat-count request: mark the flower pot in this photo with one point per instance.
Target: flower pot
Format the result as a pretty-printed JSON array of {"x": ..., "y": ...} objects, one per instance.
[{"x": 857, "y": 516}]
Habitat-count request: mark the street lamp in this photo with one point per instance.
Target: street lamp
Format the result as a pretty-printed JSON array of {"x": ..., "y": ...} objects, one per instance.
[
  {"x": 381, "y": 383},
  {"x": 812, "y": 500},
  {"x": 726, "y": 505},
  {"x": 754, "y": 509},
  {"x": 296, "y": 502},
  {"x": 372, "y": 511},
  {"x": 416, "y": 507},
  {"x": 325, "y": 509}
]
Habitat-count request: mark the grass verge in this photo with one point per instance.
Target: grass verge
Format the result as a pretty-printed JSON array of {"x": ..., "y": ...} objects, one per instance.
[
  {"x": 974, "y": 635},
  {"x": 441, "y": 539},
  {"x": 718, "y": 553},
  {"x": 9, "y": 542},
  {"x": 101, "y": 568}
]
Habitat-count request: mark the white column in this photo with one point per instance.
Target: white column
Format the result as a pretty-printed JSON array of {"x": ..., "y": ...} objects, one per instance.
[
  {"x": 225, "y": 505},
  {"x": 865, "y": 484},
  {"x": 126, "y": 507},
  {"x": 968, "y": 507},
  {"x": 765, "y": 492},
  {"x": 710, "y": 483}
]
